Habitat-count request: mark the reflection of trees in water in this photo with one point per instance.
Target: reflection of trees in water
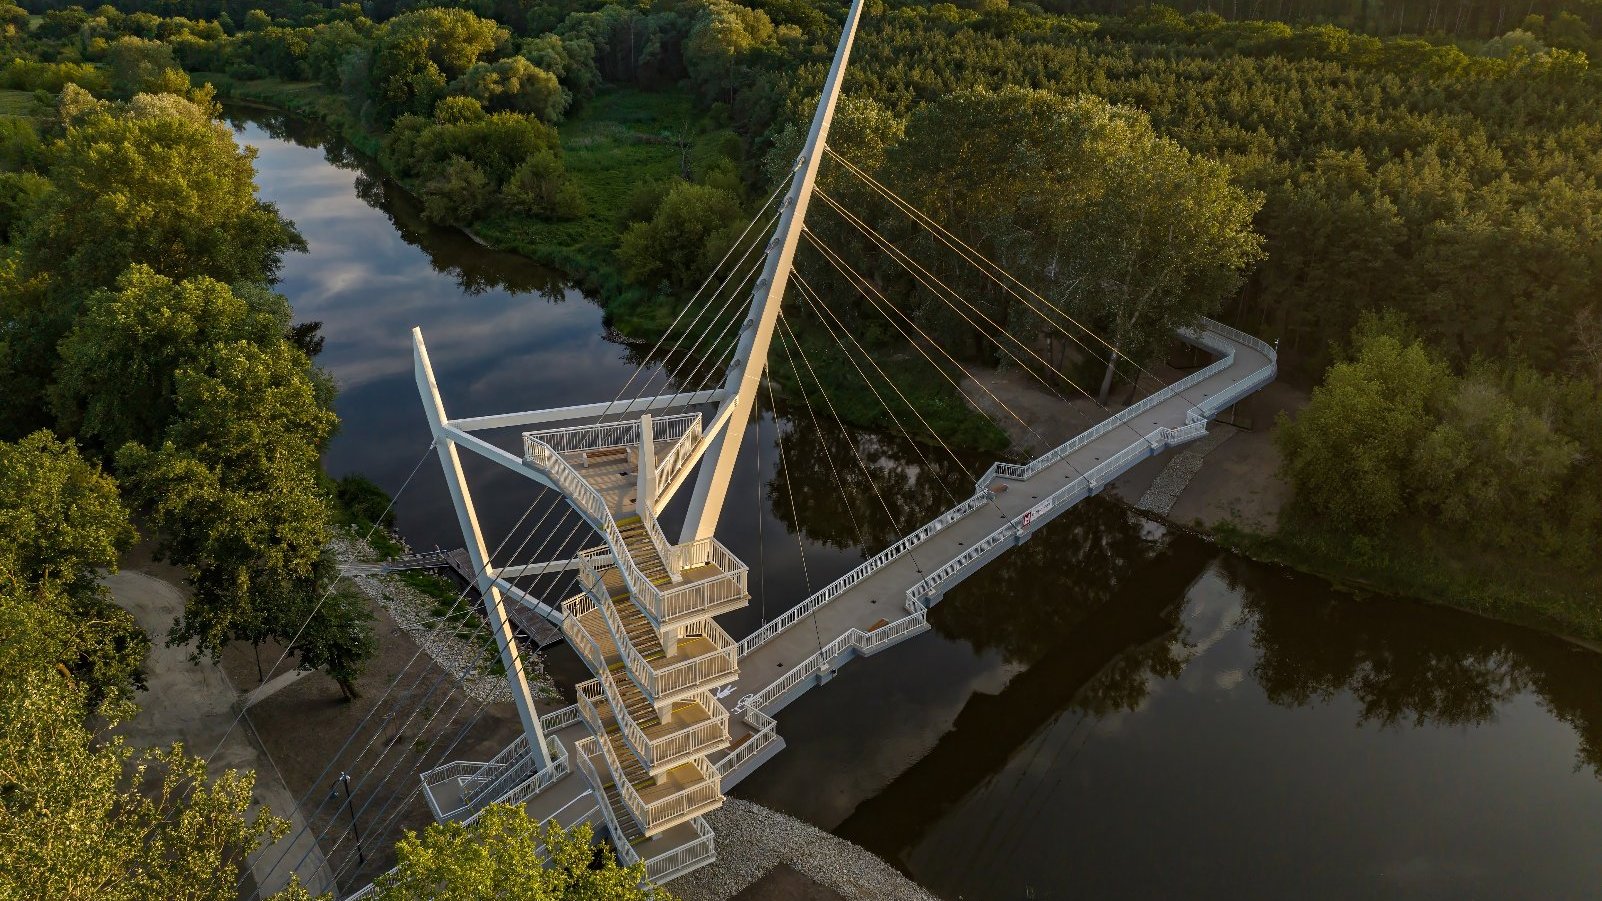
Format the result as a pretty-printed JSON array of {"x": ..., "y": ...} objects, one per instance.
[
  {"x": 835, "y": 499},
  {"x": 1410, "y": 663},
  {"x": 1023, "y": 605},
  {"x": 475, "y": 268}
]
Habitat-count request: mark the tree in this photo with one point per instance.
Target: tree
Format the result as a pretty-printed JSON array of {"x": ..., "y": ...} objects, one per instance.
[
  {"x": 338, "y": 636},
  {"x": 514, "y": 84},
  {"x": 417, "y": 55},
  {"x": 115, "y": 382},
  {"x": 140, "y": 66},
  {"x": 498, "y": 856},
  {"x": 62, "y": 525},
  {"x": 1122, "y": 227},
  {"x": 683, "y": 239},
  {"x": 154, "y": 181},
  {"x": 1349, "y": 453},
  {"x": 85, "y": 816},
  {"x": 235, "y": 491}
]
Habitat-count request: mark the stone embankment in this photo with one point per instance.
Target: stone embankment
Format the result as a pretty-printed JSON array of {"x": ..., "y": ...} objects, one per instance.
[
  {"x": 752, "y": 840},
  {"x": 413, "y": 612}
]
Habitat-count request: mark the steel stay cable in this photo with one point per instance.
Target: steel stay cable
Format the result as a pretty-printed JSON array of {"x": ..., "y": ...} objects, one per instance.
[
  {"x": 818, "y": 430},
  {"x": 643, "y": 366},
  {"x": 560, "y": 504},
  {"x": 795, "y": 511},
  {"x": 914, "y": 267},
  {"x": 395, "y": 681},
  {"x": 689, "y": 354},
  {"x": 649, "y": 355},
  {"x": 813, "y": 303},
  {"x": 813, "y": 296},
  {"x": 930, "y": 225},
  {"x": 760, "y": 215},
  {"x": 273, "y": 671},
  {"x": 860, "y": 282},
  {"x": 911, "y": 264},
  {"x": 866, "y": 472},
  {"x": 934, "y": 227},
  {"x": 457, "y": 604}
]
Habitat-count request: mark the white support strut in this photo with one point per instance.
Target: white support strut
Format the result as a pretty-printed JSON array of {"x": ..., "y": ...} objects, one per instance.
[
  {"x": 751, "y": 355},
  {"x": 477, "y": 551}
]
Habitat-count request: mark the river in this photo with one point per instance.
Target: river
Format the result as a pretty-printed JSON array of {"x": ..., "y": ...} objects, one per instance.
[{"x": 1116, "y": 709}]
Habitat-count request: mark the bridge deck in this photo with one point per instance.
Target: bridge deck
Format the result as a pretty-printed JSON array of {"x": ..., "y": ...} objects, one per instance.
[{"x": 880, "y": 598}]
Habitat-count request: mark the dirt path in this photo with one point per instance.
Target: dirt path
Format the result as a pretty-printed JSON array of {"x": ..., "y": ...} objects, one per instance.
[
  {"x": 1237, "y": 479},
  {"x": 194, "y": 704}
]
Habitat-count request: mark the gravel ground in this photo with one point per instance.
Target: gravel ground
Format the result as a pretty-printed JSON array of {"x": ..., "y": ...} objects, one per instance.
[
  {"x": 411, "y": 611},
  {"x": 1165, "y": 491},
  {"x": 752, "y": 840}
]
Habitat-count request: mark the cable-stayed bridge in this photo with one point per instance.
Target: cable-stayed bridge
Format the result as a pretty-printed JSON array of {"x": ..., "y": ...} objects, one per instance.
[{"x": 678, "y": 711}]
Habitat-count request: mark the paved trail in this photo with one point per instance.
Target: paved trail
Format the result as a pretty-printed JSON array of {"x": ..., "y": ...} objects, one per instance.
[{"x": 193, "y": 704}]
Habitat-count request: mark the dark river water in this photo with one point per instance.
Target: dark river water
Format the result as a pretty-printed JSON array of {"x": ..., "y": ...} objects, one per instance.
[{"x": 1113, "y": 710}]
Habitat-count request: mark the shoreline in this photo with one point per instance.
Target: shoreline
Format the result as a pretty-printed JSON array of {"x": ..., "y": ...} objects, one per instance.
[{"x": 1257, "y": 528}]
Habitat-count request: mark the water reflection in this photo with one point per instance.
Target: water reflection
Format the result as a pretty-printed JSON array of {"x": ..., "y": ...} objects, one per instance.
[{"x": 1111, "y": 710}]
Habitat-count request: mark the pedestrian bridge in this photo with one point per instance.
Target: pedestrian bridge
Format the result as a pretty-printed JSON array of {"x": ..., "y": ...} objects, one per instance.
[
  {"x": 678, "y": 711},
  {"x": 882, "y": 602}
]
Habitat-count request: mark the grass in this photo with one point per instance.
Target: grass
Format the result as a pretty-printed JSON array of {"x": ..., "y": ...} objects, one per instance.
[
  {"x": 1439, "y": 567},
  {"x": 613, "y": 142},
  {"x": 18, "y": 103},
  {"x": 618, "y": 139},
  {"x": 303, "y": 98}
]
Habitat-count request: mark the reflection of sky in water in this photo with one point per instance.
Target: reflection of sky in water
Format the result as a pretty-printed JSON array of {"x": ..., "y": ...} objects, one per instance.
[
  {"x": 1200, "y": 787},
  {"x": 492, "y": 351}
]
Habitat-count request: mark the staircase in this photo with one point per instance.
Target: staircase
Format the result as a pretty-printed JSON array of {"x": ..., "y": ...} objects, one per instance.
[
  {"x": 642, "y": 550},
  {"x": 654, "y": 772}
]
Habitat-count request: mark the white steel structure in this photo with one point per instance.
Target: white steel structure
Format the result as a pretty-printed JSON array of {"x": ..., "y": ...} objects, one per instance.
[
  {"x": 644, "y": 620},
  {"x": 652, "y": 743}
]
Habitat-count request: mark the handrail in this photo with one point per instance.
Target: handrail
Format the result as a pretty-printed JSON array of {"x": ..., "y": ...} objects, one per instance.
[
  {"x": 766, "y": 729},
  {"x": 867, "y": 568},
  {"x": 668, "y": 864},
  {"x": 614, "y": 434},
  {"x": 853, "y": 638},
  {"x": 530, "y": 785},
  {"x": 668, "y": 467},
  {"x": 589, "y": 501},
  {"x": 588, "y": 768},
  {"x": 697, "y": 670}
]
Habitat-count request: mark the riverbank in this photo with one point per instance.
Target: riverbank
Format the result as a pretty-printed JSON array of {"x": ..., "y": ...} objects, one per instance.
[
  {"x": 764, "y": 855},
  {"x": 1228, "y": 488}
]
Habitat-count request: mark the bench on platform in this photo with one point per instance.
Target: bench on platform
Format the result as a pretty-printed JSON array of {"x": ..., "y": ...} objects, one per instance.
[{"x": 606, "y": 455}]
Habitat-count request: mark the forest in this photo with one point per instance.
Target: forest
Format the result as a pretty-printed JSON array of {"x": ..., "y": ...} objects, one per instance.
[{"x": 1403, "y": 196}]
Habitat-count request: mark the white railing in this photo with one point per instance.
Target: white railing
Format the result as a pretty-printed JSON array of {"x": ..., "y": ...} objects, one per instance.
[
  {"x": 722, "y": 661},
  {"x": 684, "y": 858},
  {"x": 853, "y": 639},
  {"x": 764, "y": 730},
  {"x": 557, "y": 720},
  {"x": 653, "y": 531},
  {"x": 530, "y": 786},
  {"x": 868, "y": 567},
  {"x": 588, "y": 500},
  {"x": 595, "y": 690},
  {"x": 614, "y": 434},
  {"x": 1208, "y": 336},
  {"x": 636, "y": 663},
  {"x": 625, "y": 853},
  {"x": 698, "y": 737},
  {"x": 667, "y": 468},
  {"x": 579, "y": 637},
  {"x": 668, "y": 807}
]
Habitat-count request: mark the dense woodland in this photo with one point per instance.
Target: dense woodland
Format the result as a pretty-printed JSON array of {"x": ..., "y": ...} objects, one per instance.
[{"x": 1403, "y": 195}]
